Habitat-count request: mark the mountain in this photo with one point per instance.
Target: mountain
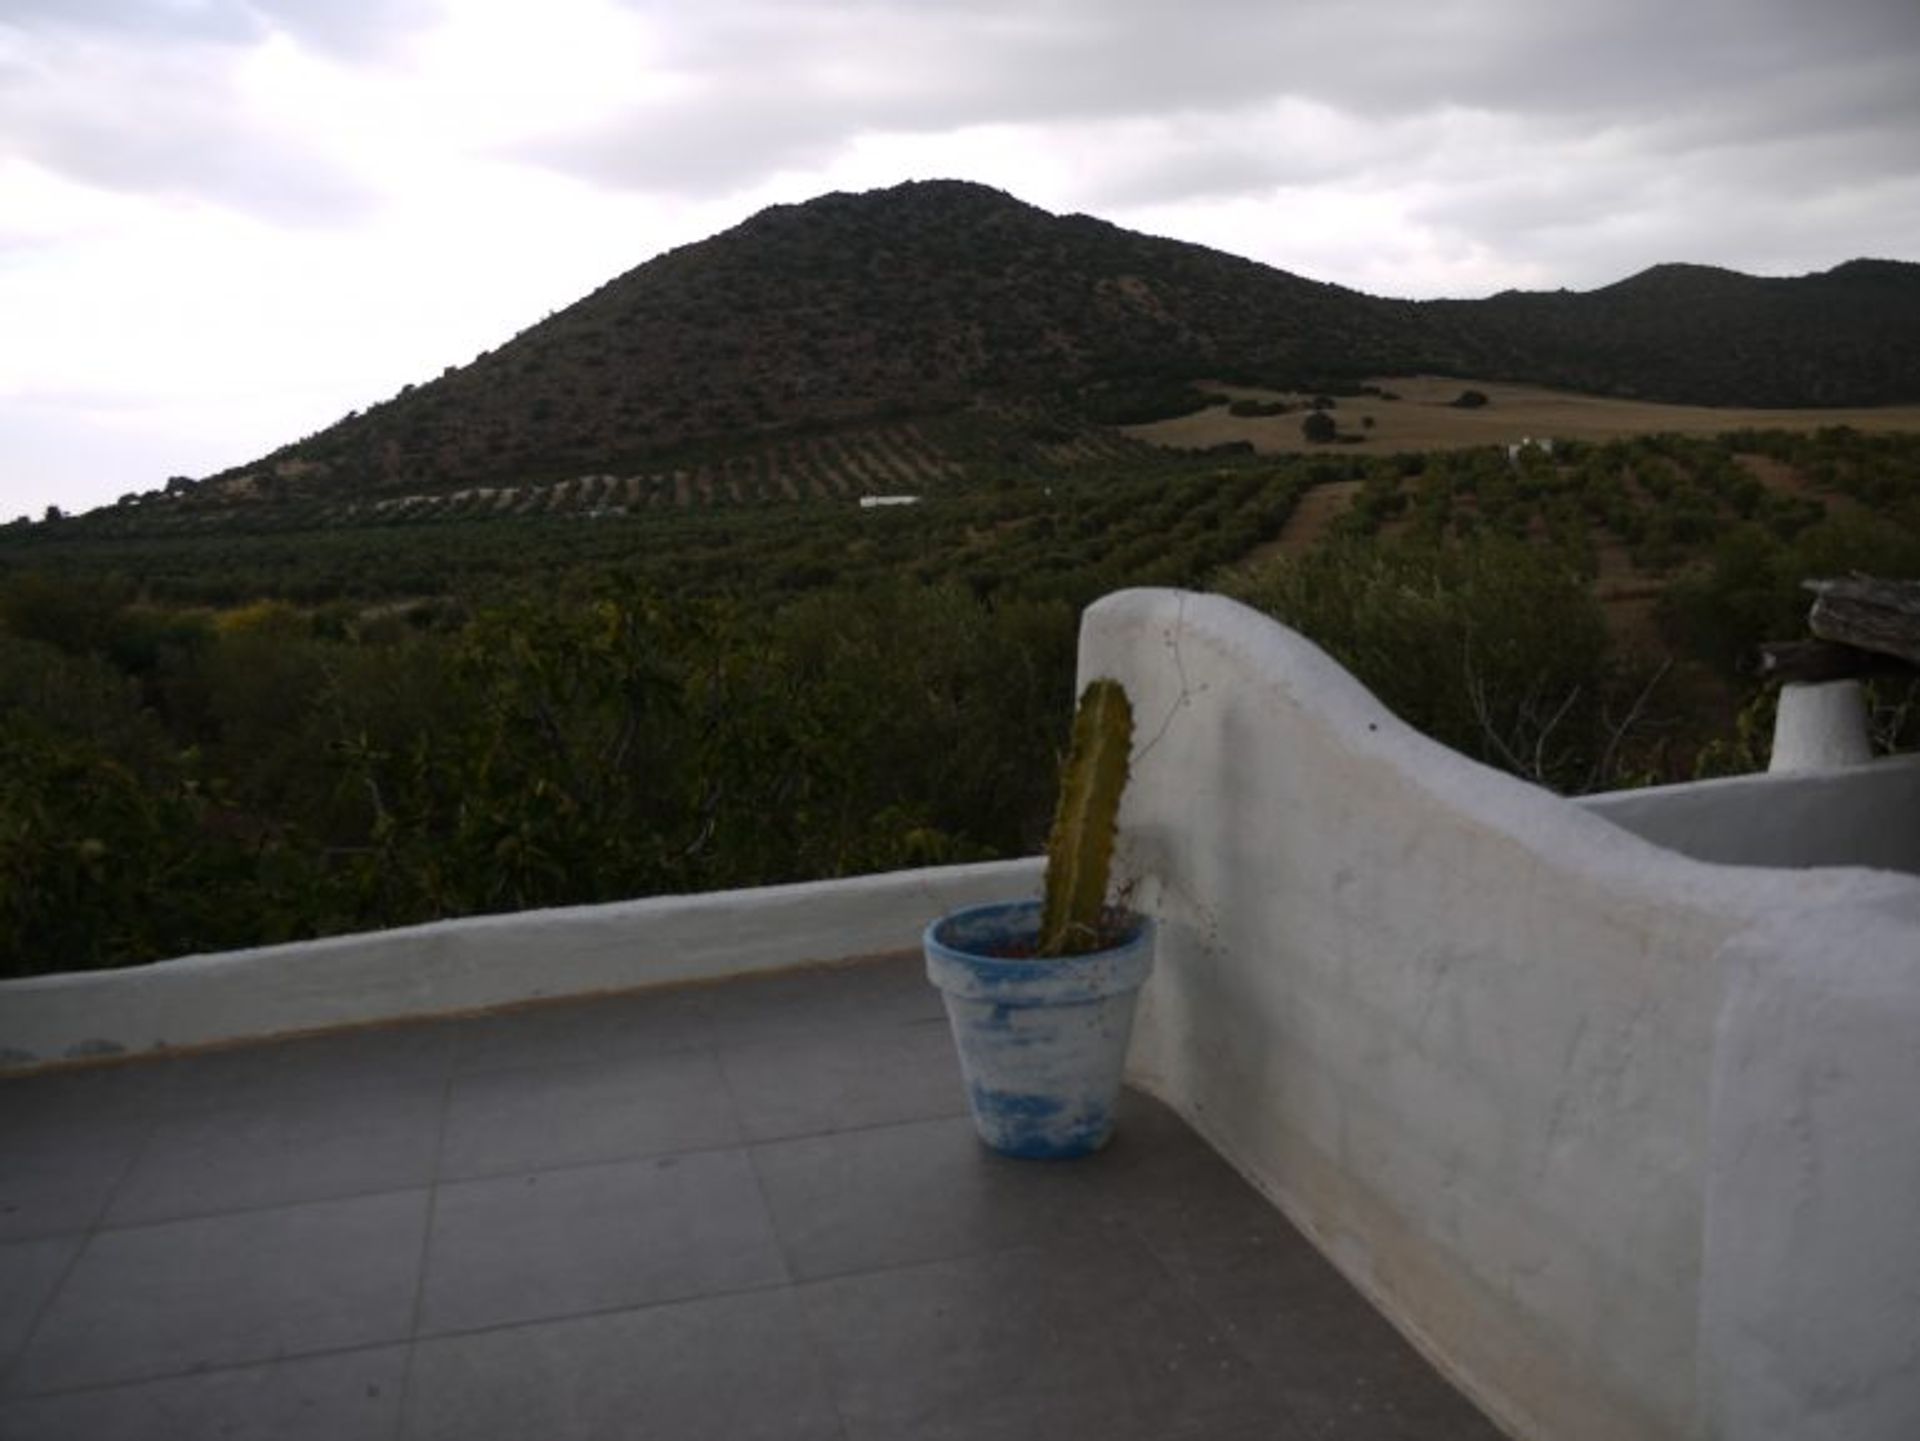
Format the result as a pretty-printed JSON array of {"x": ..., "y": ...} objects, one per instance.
[
  {"x": 1696, "y": 334},
  {"x": 939, "y": 295}
]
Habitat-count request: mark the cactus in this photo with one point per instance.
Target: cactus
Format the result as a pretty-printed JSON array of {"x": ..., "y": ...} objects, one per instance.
[{"x": 1080, "y": 849}]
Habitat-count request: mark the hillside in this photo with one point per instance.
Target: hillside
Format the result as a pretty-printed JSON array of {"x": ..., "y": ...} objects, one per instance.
[
  {"x": 910, "y": 301},
  {"x": 945, "y": 298},
  {"x": 1696, "y": 335}
]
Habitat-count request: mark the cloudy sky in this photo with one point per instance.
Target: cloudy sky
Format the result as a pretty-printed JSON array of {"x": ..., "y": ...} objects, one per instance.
[{"x": 224, "y": 223}]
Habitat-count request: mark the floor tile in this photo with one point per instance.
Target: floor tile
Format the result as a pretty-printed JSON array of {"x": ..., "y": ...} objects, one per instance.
[
  {"x": 507, "y": 1121},
  {"x": 57, "y": 1172},
  {"x": 836, "y": 1081},
  {"x": 1340, "y": 1366},
  {"x": 224, "y": 1290},
  {"x": 382, "y": 1060},
  {"x": 592, "y": 1238},
  {"x": 792, "y": 1004},
  {"x": 737, "y": 1368},
  {"x": 282, "y": 1152},
  {"x": 1203, "y": 1221},
  {"x": 347, "y": 1396},
  {"x": 1076, "y": 1339},
  {"x": 630, "y": 1187},
  {"x": 897, "y": 1195},
  {"x": 1036, "y": 1410},
  {"x": 1343, "y": 1370},
  {"x": 567, "y": 1033},
  {"x": 127, "y": 1090},
  {"x": 29, "y": 1270}
]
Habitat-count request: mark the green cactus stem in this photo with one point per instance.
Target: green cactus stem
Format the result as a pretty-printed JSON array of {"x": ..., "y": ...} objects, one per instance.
[{"x": 1080, "y": 849}]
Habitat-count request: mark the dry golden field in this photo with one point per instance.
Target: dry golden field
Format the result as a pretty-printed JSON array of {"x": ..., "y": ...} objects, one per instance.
[{"x": 1422, "y": 420}]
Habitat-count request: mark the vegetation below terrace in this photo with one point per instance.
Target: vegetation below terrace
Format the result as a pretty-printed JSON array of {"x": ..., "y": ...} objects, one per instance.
[{"x": 255, "y": 732}]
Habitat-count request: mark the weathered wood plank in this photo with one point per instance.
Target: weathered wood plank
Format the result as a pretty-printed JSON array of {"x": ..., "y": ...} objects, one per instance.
[{"x": 1868, "y": 613}]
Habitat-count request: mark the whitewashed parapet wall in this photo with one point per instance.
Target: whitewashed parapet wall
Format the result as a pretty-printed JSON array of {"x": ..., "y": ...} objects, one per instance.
[
  {"x": 1469, "y": 1036},
  {"x": 1856, "y": 815},
  {"x": 480, "y": 963}
]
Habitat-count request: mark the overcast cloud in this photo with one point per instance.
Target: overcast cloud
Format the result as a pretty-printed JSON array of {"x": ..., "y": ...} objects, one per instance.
[{"x": 223, "y": 223}]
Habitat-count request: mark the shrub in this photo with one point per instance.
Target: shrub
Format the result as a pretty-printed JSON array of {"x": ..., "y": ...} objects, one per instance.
[
  {"x": 1141, "y": 403},
  {"x": 1491, "y": 647},
  {"x": 1319, "y": 428}
]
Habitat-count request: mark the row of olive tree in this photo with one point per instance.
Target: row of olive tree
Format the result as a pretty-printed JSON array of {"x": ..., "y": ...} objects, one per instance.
[{"x": 255, "y": 778}]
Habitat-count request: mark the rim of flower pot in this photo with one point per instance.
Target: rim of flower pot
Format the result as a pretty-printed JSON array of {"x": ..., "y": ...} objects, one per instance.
[{"x": 961, "y": 962}]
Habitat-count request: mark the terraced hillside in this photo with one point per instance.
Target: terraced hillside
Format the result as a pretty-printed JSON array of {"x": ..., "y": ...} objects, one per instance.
[
  {"x": 918, "y": 458},
  {"x": 882, "y": 460}
]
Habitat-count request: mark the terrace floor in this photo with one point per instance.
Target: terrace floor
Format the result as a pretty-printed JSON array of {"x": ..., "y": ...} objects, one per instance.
[{"x": 753, "y": 1209}]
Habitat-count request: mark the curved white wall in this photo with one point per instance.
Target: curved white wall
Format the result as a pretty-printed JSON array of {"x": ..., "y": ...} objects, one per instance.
[
  {"x": 1461, "y": 1030},
  {"x": 1810, "y": 1304}
]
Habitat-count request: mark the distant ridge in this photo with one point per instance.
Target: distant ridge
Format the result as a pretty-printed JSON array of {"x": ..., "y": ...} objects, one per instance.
[
  {"x": 937, "y": 295},
  {"x": 1702, "y": 335}
]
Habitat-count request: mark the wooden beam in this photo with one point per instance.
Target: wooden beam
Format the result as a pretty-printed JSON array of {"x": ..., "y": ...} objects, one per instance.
[{"x": 1874, "y": 615}]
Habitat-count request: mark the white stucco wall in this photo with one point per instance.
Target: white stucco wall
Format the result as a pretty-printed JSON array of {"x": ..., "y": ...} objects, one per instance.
[
  {"x": 1810, "y": 1298},
  {"x": 487, "y": 961},
  {"x": 1459, "y": 1029},
  {"x": 1860, "y": 815}
]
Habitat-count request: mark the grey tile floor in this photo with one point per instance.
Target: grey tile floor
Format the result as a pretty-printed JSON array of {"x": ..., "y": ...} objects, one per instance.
[{"x": 746, "y": 1210}]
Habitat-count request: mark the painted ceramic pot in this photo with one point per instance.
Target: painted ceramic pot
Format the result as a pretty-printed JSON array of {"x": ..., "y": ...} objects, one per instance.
[{"x": 1042, "y": 1040}]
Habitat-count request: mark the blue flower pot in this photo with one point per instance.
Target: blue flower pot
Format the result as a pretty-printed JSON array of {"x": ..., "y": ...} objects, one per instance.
[{"x": 1042, "y": 1041}]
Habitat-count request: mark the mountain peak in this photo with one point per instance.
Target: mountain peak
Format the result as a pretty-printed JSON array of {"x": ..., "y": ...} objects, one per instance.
[
  {"x": 1681, "y": 278},
  {"x": 948, "y": 199}
]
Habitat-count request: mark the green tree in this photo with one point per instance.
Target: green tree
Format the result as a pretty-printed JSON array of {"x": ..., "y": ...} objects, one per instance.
[{"x": 1490, "y": 647}]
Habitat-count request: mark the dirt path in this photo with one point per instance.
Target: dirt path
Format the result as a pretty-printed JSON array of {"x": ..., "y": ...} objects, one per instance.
[
  {"x": 1782, "y": 479},
  {"x": 1313, "y": 514},
  {"x": 1629, "y": 600}
]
